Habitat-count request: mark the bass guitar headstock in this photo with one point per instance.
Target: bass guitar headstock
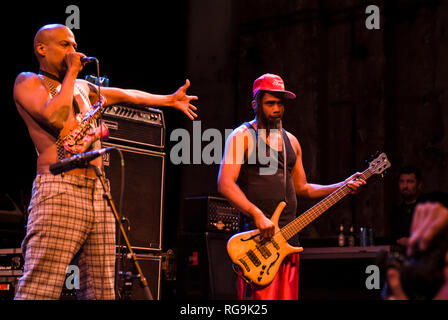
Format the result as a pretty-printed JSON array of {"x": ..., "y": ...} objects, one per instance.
[{"x": 380, "y": 164}]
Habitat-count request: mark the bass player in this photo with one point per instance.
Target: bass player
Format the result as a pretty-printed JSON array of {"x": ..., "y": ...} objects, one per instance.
[{"x": 256, "y": 193}]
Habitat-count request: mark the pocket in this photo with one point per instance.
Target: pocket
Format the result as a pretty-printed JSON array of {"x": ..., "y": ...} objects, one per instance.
[{"x": 47, "y": 191}]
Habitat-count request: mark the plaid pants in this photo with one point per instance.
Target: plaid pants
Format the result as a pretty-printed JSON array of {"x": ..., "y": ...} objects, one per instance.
[{"x": 68, "y": 217}]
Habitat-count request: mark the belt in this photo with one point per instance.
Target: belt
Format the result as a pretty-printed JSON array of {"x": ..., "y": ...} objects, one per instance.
[{"x": 88, "y": 172}]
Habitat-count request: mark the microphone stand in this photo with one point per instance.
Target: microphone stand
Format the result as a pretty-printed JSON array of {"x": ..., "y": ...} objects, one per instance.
[{"x": 108, "y": 197}]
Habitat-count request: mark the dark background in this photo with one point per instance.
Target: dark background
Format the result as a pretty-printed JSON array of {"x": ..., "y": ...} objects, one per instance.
[{"x": 358, "y": 90}]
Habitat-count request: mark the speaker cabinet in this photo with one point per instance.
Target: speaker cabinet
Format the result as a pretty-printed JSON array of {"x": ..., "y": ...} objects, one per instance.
[
  {"x": 204, "y": 270},
  {"x": 151, "y": 266},
  {"x": 8, "y": 287},
  {"x": 143, "y": 192}
]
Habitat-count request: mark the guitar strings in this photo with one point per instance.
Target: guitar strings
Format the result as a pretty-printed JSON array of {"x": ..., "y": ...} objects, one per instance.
[{"x": 303, "y": 220}]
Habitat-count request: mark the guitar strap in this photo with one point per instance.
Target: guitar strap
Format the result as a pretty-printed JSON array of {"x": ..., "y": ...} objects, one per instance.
[
  {"x": 245, "y": 289},
  {"x": 283, "y": 133},
  {"x": 284, "y": 162}
]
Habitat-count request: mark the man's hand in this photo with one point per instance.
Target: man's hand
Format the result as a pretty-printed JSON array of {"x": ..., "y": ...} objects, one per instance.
[
  {"x": 181, "y": 101},
  {"x": 266, "y": 226},
  {"x": 73, "y": 61},
  {"x": 403, "y": 241},
  {"x": 354, "y": 183},
  {"x": 429, "y": 219}
]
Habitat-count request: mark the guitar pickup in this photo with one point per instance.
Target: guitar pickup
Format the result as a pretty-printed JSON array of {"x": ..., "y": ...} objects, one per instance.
[
  {"x": 275, "y": 244},
  {"x": 244, "y": 265},
  {"x": 264, "y": 251},
  {"x": 253, "y": 257}
]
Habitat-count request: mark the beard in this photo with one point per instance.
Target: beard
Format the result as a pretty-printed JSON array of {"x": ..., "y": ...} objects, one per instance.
[
  {"x": 409, "y": 195},
  {"x": 268, "y": 123}
]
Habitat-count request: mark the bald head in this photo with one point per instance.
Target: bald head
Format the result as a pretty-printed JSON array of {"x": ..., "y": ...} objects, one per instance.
[
  {"x": 51, "y": 44},
  {"x": 48, "y": 34}
]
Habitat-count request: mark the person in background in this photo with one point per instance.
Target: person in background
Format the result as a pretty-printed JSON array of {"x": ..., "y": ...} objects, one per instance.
[{"x": 410, "y": 187}]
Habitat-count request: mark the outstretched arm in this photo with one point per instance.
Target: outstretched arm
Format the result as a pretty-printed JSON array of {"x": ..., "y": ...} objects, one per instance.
[{"x": 178, "y": 100}]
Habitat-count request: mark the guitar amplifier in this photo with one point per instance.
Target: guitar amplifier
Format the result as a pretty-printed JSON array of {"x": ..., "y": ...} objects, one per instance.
[
  {"x": 143, "y": 128},
  {"x": 11, "y": 269},
  {"x": 130, "y": 287},
  {"x": 11, "y": 262},
  {"x": 204, "y": 269},
  {"x": 206, "y": 213}
]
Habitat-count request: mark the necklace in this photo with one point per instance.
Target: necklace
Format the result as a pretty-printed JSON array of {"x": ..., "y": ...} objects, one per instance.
[{"x": 49, "y": 75}]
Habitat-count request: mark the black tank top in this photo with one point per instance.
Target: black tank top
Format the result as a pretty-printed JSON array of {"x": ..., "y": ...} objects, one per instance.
[{"x": 266, "y": 191}]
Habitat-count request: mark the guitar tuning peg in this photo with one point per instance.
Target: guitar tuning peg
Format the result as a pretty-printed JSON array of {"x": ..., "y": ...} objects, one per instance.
[{"x": 372, "y": 156}]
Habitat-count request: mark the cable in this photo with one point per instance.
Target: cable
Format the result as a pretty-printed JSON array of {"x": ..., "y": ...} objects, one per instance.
[
  {"x": 122, "y": 162},
  {"x": 102, "y": 167},
  {"x": 120, "y": 205},
  {"x": 120, "y": 210}
]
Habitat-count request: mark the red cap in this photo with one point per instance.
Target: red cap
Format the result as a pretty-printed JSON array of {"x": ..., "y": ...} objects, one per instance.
[{"x": 273, "y": 83}]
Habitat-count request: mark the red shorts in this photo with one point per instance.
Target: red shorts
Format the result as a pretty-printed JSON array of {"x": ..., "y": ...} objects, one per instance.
[{"x": 285, "y": 285}]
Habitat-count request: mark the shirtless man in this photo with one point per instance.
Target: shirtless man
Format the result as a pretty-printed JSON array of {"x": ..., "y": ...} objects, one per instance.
[{"x": 68, "y": 216}]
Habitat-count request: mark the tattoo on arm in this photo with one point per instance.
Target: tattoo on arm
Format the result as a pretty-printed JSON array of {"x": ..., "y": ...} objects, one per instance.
[{"x": 59, "y": 116}]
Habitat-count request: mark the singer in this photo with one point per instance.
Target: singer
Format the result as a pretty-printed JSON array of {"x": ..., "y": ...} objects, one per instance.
[
  {"x": 68, "y": 218},
  {"x": 256, "y": 194}
]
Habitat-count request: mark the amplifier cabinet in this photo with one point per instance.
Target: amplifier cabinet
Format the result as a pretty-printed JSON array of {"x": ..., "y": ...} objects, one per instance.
[
  {"x": 143, "y": 192},
  {"x": 151, "y": 265},
  {"x": 8, "y": 287},
  {"x": 207, "y": 213},
  {"x": 11, "y": 262},
  {"x": 142, "y": 128},
  {"x": 204, "y": 269},
  {"x": 11, "y": 269}
]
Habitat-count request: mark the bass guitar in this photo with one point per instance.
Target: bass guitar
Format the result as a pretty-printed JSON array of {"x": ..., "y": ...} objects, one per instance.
[{"x": 259, "y": 260}]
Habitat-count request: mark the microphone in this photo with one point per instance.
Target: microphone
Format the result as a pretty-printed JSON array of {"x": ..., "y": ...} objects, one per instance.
[
  {"x": 88, "y": 59},
  {"x": 77, "y": 161}
]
